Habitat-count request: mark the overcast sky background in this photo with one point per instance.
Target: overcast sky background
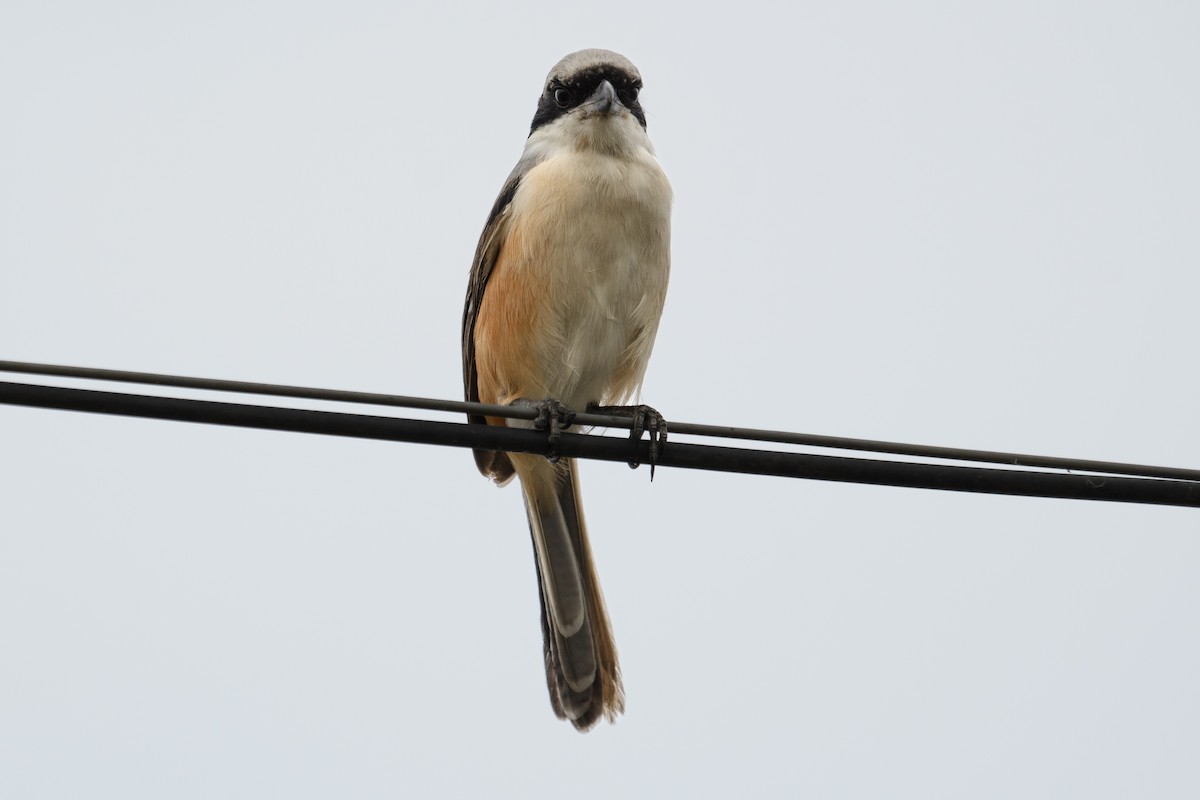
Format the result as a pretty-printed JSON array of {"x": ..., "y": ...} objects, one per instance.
[{"x": 972, "y": 227}]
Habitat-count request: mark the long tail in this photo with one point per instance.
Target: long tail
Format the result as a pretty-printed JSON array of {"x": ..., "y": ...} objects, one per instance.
[{"x": 581, "y": 656}]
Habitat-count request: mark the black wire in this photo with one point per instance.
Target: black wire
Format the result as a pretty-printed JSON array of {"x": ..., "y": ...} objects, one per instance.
[
  {"x": 692, "y": 456},
  {"x": 520, "y": 412},
  {"x": 275, "y": 390}
]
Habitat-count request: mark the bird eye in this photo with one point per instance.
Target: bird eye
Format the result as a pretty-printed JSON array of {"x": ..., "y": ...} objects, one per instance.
[
  {"x": 629, "y": 95},
  {"x": 562, "y": 97}
]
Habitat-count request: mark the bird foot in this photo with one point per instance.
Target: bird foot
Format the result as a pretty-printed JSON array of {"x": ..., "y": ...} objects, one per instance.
[
  {"x": 553, "y": 417},
  {"x": 645, "y": 419}
]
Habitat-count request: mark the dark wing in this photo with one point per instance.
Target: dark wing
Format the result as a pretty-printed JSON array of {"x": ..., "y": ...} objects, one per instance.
[{"x": 493, "y": 464}]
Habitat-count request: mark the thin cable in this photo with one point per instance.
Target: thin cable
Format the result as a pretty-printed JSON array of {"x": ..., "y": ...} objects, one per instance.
[
  {"x": 609, "y": 448},
  {"x": 300, "y": 392},
  {"x": 934, "y": 451},
  {"x": 270, "y": 389},
  {"x": 606, "y": 421}
]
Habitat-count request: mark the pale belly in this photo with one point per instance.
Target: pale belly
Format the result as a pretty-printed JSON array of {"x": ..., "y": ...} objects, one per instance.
[{"x": 594, "y": 236}]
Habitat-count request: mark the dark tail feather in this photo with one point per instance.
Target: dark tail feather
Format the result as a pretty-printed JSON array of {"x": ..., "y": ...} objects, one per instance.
[{"x": 582, "y": 673}]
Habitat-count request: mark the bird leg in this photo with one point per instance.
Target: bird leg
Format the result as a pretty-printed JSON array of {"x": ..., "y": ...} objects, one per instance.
[
  {"x": 643, "y": 418},
  {"x": 552, "y": 416}
]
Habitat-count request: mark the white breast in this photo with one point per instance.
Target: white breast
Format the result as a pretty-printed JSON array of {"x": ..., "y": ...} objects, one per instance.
[{"x": 602, "y": 221}]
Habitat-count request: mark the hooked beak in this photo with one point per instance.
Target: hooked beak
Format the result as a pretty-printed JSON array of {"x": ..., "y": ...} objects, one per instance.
[{"x": 603, "y": 101}]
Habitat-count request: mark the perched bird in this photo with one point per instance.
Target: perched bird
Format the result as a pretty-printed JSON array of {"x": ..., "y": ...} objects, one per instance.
[{"x": 565, "y": 295}]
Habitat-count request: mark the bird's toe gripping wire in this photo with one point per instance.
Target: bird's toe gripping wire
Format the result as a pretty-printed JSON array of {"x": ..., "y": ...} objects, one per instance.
[
  {"x": 554, "y": 418},
  {"x": 644, "y": 419}
]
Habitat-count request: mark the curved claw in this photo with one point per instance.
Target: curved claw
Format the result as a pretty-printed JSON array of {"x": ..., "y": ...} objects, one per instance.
[
  {"x": 657, "y": 428},
  {"x": 554, "y": 417},
  {"x": 643, "y": 418}
]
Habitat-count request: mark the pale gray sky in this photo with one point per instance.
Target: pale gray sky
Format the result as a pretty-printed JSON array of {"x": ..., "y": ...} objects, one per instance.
[{"x": 969, "y": 226}]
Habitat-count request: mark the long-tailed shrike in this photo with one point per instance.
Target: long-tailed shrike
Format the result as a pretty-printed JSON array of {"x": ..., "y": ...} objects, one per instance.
[{"x": 566, "y": 292}]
